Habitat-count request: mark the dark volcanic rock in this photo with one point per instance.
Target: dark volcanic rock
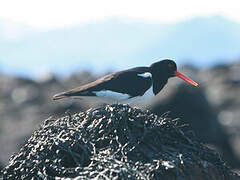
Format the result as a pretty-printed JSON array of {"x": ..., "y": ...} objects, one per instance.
[{"x": 115, "y": 141}]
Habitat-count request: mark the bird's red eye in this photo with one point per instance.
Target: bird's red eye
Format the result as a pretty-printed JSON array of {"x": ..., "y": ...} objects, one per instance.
[{"x": 170, "y": 65}]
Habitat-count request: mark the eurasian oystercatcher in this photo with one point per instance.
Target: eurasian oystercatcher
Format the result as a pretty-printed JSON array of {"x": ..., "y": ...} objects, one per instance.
[{"x": 124, "y": 86}]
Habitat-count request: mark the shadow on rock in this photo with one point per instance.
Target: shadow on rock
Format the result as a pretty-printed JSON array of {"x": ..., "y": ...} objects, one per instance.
[{"x": 193, "y": 108}]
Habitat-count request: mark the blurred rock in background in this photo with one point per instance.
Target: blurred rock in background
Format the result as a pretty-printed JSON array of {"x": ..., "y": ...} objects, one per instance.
[
  {"x": 212, "y": 109},
  {"x": 207, "y": 108}
]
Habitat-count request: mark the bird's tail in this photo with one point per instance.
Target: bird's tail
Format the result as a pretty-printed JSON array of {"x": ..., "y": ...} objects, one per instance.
[
  {"x": 60, "y": 96},
  {"x": 71, "y": 93}
]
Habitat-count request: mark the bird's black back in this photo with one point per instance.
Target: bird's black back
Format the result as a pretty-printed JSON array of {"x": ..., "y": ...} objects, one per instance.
[{"x": 126, "y": 82}]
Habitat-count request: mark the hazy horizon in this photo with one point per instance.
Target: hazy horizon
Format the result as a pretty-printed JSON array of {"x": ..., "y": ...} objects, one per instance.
[{"x": 117, "y": 43}]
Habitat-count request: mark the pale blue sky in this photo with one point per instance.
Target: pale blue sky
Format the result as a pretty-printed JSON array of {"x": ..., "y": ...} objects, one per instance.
[{"x": 69, "y": 35}]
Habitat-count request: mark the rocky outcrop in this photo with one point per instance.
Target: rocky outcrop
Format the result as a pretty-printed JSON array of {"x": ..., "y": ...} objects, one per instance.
[{"x": 115, "y": 142}]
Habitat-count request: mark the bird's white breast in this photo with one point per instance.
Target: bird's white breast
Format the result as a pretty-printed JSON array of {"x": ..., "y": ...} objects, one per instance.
[{"x": 148, "y": 95}]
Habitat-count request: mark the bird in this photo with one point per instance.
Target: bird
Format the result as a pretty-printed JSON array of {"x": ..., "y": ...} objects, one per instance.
[{"x": 129, "y": 85}]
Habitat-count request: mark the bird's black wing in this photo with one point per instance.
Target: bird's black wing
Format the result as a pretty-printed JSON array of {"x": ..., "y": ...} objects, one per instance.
[
  {"x": 129, "y": 82},
  {"x": 126, "y": 82}
]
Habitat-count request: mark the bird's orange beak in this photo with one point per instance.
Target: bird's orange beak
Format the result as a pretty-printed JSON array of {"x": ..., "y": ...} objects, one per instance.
[{"x": 185, "y": 78}]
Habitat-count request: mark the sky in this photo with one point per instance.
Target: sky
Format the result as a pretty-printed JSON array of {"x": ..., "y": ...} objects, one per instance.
[
  {"x": 50, "y": 14},
  {"x": 51, "y": 31}
]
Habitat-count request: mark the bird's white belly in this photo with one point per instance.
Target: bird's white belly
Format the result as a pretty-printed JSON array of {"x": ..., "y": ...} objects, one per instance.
[
  {"x": 111, "y": 94},
  {"x": 96, "y": 99},
  {"x": 105, "y": 96},
  {"x": 111, "y": 97}
]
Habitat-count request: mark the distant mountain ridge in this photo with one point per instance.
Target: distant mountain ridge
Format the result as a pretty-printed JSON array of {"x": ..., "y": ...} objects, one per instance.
[{"x": 116, "y": 44}]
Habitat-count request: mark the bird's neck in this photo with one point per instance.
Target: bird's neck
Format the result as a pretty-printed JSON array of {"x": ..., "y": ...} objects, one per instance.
[{"x": 159, "y": 83}]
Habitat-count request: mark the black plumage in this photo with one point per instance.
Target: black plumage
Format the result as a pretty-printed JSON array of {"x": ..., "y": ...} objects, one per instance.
[{"x": 129, "y": 83}]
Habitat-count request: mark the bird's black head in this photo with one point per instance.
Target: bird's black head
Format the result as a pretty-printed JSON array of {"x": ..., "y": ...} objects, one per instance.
[
  {"x": 162, "y": 70},
  {"x": 165, "y": 68}
]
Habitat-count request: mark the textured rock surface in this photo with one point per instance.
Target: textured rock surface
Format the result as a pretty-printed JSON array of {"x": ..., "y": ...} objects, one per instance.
[{"x": 115, "y": 141}]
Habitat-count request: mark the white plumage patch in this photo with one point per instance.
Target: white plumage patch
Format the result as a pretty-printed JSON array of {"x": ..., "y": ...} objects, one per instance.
[
  {"x": 111, "y": 94},
  {"x": 110, "y": 97},
  {"x": 145, "y": 75},
  {"x": 148, "y": 95}
]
